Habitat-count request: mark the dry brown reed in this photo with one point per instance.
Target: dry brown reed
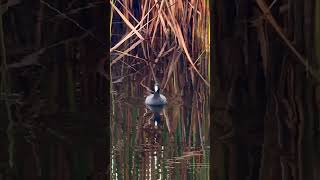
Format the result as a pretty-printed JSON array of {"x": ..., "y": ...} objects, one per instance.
[{"x": 167, "y": 37}]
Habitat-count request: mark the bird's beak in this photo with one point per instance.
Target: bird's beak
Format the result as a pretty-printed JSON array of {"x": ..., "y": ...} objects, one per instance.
[{"x": 156, "y": 88}]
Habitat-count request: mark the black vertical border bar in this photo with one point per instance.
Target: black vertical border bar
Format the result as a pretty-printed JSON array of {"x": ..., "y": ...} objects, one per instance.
[
  {"x": 213, "y": 57},
  {"x": 108, "y": 71}
]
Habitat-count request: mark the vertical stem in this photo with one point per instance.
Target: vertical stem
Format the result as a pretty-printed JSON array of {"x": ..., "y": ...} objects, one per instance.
[
  {"x": 5, "y": 89},
  {"x": 38, "y": 33},
  {"x": 70, "y": 86},
  {"x": 317, "y": 31}
]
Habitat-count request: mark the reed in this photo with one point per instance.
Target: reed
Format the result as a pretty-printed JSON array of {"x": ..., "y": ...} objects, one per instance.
[
  {"x": 317, "y": 31},
  {"x": 5, "y": 90},
  {"x": 147, "y": 37}
]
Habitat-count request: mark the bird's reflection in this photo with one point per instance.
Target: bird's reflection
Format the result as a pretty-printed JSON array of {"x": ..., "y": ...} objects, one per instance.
[{"x": 156, "y": 110}]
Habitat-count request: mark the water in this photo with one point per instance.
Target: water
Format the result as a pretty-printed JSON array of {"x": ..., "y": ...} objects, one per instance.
[{"x": 177, "y": 148}]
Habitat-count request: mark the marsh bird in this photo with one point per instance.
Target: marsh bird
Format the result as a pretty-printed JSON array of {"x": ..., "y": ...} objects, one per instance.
[
  {"x": 156, "y": 102},
  {"x": 156, "y": 99}
]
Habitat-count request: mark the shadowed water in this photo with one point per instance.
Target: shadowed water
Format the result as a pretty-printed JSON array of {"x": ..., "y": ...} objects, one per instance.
[{"x": 175, "y": 148}]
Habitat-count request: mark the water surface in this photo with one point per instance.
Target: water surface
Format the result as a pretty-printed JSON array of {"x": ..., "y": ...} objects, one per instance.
[{"x": 177, "y": 148}]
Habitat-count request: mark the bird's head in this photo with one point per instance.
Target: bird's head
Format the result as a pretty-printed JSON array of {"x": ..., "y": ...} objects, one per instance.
[{"x": 156, "y": 88}]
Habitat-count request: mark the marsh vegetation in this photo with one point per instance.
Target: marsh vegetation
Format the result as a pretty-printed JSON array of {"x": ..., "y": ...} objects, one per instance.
[{"x": 168, "y": 42}]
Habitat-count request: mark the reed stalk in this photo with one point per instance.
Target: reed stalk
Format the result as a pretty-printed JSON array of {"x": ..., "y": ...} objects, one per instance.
[
  {"x": 5, "y": 90},
  {"x": 317, "y": 31}
]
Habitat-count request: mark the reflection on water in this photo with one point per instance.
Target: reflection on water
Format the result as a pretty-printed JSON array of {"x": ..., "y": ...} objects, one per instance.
[
  {"x": 175, "y": 147},
  {"x": 156, "y": 110}
]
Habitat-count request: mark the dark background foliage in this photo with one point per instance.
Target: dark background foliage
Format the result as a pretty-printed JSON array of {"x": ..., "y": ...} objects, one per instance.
[
  {"x": 54, "y": 89},
  {"x": 265, "y": 108}
]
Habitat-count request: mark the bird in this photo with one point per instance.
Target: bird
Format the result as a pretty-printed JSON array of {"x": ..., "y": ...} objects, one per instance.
[
  {"x": 156, "y": 102},
  {"x": 156, "y": 99}
]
